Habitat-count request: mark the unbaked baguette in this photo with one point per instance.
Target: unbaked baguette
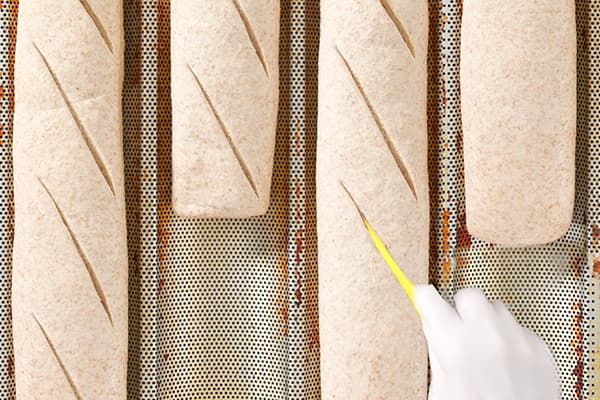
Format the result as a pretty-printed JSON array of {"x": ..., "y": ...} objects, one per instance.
[
  {"x": 519, "y": 99},
  {"x": 225, "y": 83},
  {"x": 372, "y": 157},
  {"x": 70, "y": 257}
]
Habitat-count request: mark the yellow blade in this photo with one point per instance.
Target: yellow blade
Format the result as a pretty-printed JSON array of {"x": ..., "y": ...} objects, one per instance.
[{"x": 406, "y": 284}]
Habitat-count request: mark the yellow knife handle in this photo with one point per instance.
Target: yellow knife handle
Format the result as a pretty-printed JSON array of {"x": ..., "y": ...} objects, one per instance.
[{"x": 406, "y": 284}]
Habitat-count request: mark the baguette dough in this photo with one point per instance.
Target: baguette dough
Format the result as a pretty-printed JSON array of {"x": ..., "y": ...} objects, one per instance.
[
  {"x": 519, "y": 99},
  {"x": 70, "y": 250},
  {"x": 225, "y": 84},
  {"x": 372, "y": 150}
]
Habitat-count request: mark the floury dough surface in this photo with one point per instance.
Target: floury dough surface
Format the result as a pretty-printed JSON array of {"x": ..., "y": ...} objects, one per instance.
[
  {"x": 70, "y": 254},
  {"x": 225, "y": 85},
  {"x": 372, "y": 150},
  {"x": 519, "y": 100}
]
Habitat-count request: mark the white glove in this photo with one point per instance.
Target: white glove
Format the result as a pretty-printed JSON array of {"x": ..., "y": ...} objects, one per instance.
[{"x": 479, "y": 352}]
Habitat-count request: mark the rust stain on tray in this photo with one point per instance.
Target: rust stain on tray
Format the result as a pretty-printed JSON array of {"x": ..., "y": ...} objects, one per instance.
[
  {"x": 463, "y": 237},
  {"x": 11, "y": 366},
  {"x": 163, "y": 236},
  {"x": 312, "y": 311},
  {"x": 577, "y": 347},
  {"x": 596, "y": 268},
  {"x": 299, "y": 241}
]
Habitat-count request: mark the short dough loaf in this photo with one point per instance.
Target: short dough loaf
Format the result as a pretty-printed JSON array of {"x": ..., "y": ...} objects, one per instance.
[
  {"x": 70, "y": 249},
  {"x": 519, "y": 99},
  {"x": 225, "y": 83},
  {"x": 372, "y": 154}
]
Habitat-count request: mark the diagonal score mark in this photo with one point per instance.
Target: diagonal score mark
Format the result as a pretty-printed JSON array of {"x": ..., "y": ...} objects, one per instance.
[
  {"x": 399, "y": 26},
  {"x": 58, "y": 359},
  {"x": 234, "y": 149},
  {"x": 86, "y": 137},
  {"x": 96, "y": 20},
  {"x": 385, "y": 254},
  {"x": 84, "y": 258},
  {"x": 251, "y": 35},
  {"x": 360, "y": 212},
  {"x": 382, "y": 130}
]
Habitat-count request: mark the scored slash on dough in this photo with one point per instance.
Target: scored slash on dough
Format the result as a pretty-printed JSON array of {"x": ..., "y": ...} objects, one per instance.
[
  {"x": 383, "y": 250},
  {"x": 384, "y": 134},
  {"x": 82, "y": 255},
  {"x": 360, "y": 212},
  {"x": 251, "y": 35},
  {"x": 86, "y": 137},
  {"x": 61, "y": 364},
  {"x": 96, "y": 20},
  {"x": 226, "y": 133},
  {"x": 399, "y": 26}
]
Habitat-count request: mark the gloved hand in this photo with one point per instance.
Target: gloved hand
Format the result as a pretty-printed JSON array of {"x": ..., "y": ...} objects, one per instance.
[{"x": 478, "y": 351}]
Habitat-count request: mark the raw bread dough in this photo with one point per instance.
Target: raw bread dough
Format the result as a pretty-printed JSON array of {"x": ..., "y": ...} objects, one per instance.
[
  {"x": 225, "y": 84},
  {"x": 372, "y": 151},
  {"x": 70, "y": 251},
  {"x": 519, "y": 99}
]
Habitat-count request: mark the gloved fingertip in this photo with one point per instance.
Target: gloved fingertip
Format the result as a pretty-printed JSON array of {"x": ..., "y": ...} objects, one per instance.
[
  {"x": 435, "y": 311},
  {"x": 471, "y": 294},
  {"x": 473, "y": 305}
]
